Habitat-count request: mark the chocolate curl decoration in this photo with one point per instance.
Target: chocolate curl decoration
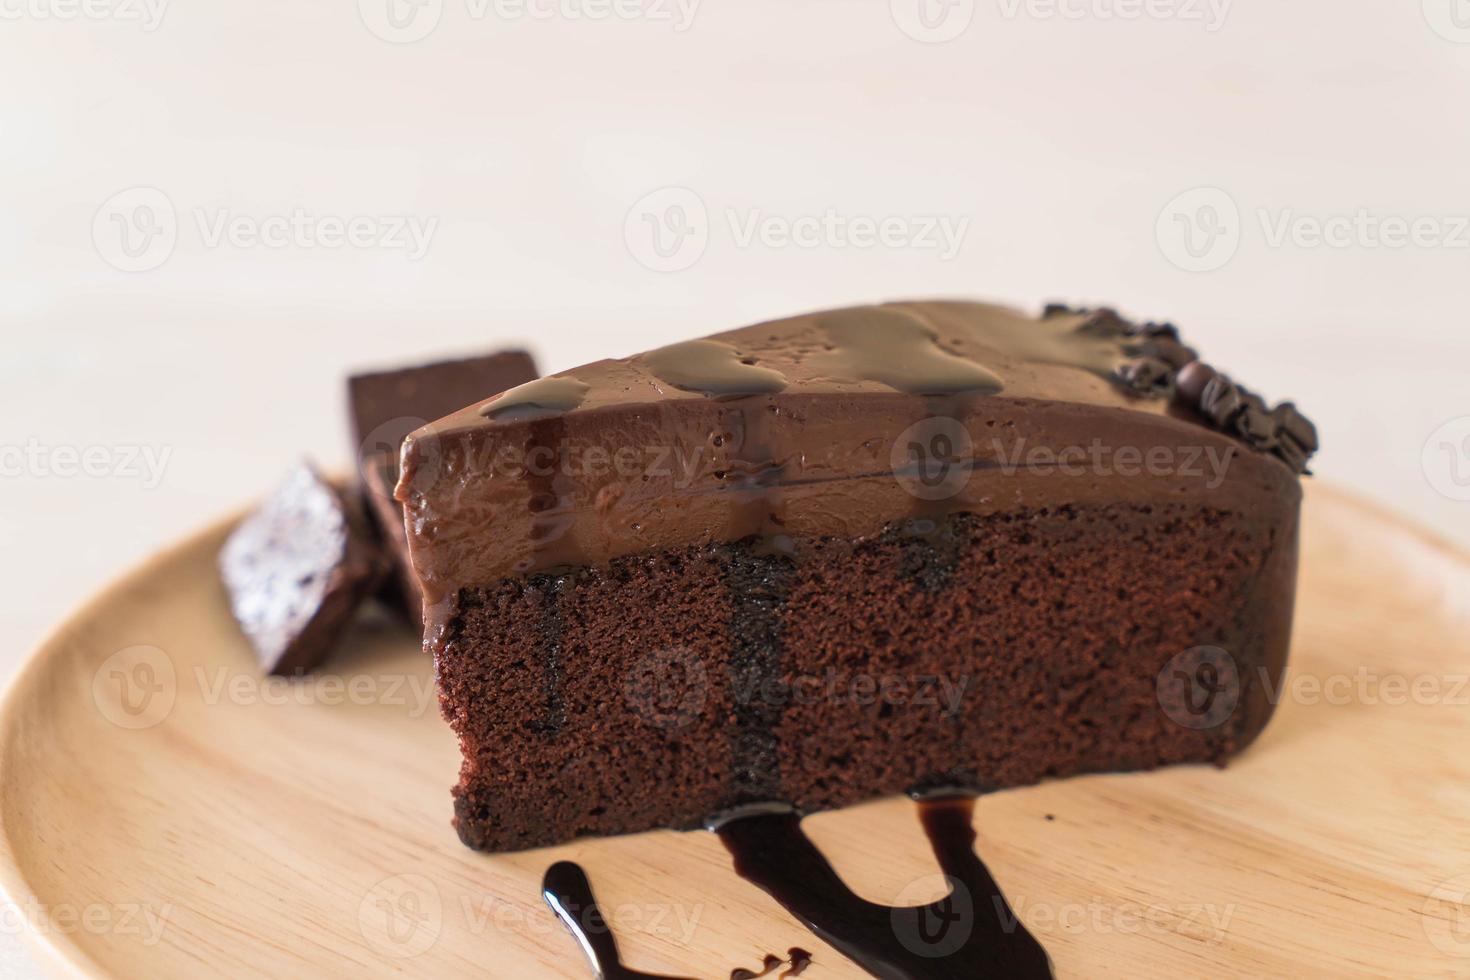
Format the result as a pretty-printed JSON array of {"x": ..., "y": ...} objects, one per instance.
[
  {"x": 1235, "y": 410},
  {"x": 1160, "y": 365}
]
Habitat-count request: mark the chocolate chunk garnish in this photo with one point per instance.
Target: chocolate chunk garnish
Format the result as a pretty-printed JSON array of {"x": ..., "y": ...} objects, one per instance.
[
  {"x": 296, "y": 570},
  {"x": 385, "y": 407},
  {"x": 1192, "y": 379},
  {"x": 1282, "y": 431},
  {"x": 1147, "y": 376}
]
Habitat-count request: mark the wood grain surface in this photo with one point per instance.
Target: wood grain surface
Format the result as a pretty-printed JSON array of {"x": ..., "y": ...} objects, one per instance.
[{"x": 167, "y": 814}]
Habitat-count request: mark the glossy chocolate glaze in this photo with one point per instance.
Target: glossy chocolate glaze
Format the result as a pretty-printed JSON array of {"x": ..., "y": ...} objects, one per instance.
[
  {"x": 970, "y": 933},
  {"x": 796, "y": 962},
  {"x": 670, "y": 448},
  {"x": 768, "y": 966},
  {"x": 567, "y": 890}
]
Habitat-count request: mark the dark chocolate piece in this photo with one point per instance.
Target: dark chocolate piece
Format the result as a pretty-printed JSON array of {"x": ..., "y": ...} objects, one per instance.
[
  {"x": 296, "y": 570},
  {"x": 385, "y": 407}
]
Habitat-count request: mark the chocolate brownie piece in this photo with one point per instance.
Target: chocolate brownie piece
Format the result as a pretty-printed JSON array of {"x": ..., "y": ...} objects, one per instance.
[
  {"x": 849, "y": 554},
  {"x": 297, "y": 568},
  {"x": 385, "y": 406}
]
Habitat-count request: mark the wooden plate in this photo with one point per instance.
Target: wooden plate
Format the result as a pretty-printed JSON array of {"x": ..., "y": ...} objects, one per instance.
[{"x": 167, "y": 815}]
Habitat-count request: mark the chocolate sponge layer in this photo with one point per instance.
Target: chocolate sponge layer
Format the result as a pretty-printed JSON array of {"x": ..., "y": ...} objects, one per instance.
[{"x": 990, "y": 651}]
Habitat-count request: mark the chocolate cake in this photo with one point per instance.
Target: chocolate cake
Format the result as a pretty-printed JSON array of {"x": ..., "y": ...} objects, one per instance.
[
  {"x": 849, "y": 554},
  {"x": 297, "y": 569},
  {"x": 385, "y": 406}
]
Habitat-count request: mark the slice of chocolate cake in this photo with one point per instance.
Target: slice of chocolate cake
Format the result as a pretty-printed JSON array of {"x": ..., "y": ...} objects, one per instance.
[
  {"x": 849, "y": 554},
  {"x": 387, "y": 405}
]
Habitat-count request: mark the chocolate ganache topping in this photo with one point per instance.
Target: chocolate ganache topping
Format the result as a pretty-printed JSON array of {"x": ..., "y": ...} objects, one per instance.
[{"x": 794, "y": 428}]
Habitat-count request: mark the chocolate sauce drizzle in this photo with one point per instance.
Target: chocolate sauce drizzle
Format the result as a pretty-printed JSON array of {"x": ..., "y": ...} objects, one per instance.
[
  {"x": 758, "y": 586},
  {"x": 969, "y": 933},
  {"x": 567, "y": 890},
  {"x": 799, "y": 959},
  {"x": 767, "y": 965}
]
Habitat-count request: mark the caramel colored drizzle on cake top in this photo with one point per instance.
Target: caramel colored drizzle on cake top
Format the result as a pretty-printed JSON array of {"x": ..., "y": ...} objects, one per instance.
[
  {"x": 896, "y": 349},
  {"x": 534, "y": 399},
  {"x": 713, "y": 368}
]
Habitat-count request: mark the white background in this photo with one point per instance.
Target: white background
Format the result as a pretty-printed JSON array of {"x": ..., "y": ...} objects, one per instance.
[{"x": 1064, "y": 137}]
